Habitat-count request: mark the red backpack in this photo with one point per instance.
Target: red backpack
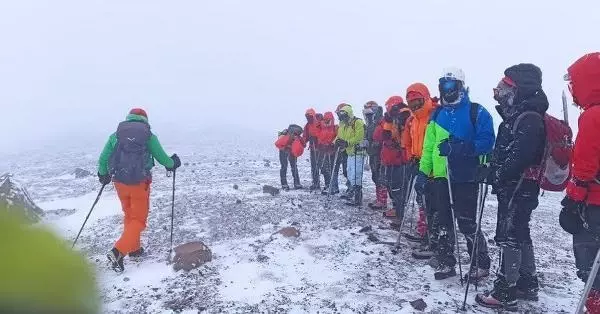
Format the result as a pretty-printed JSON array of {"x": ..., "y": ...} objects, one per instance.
[{"x": 554, "y": 172}]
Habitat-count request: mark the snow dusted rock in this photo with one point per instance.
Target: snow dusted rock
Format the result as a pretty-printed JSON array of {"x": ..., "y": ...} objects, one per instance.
[
  {"x": 82, "y": 173},
  {"x": 419, "y": 305},
  {"x": 270, "y": 190},
  {"x": 289, "y": 232},
  {"x": 235, "y": 187},
  {"x": 15, "y": 199},
  {"x": 191, "y": 255}
]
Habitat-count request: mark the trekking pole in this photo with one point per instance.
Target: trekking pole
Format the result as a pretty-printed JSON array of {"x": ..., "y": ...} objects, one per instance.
[
  {"x": 88, "y": 215},
  {"x": 172, "y": 214},
  {"x": 335, "y": 159},
  {"x": 407, "y": 196},
  {"x": 589, "y": 283},
  {"x": 475, "y": 251},
  {"x": 454, "y": 221}
]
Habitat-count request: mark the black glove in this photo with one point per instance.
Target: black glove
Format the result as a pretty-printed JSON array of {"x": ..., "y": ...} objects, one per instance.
[
  {"x": 570, "y": 215},
  {"x": 176, "y": 162},
  {"x": 340, "y": 143},
  {"x": 104, "y": 179}
]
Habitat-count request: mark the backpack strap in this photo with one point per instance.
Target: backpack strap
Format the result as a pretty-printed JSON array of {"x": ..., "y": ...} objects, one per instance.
[
  {"x": 473, "y": 113},
  {"x": 520, "y": 118}
]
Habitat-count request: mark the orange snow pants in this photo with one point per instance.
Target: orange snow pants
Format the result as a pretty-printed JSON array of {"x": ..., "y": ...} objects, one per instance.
[{"x": 135, "y": 201}]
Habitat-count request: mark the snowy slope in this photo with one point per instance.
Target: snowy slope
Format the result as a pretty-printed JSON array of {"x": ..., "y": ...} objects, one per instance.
[{"x": 330, "y": 268}]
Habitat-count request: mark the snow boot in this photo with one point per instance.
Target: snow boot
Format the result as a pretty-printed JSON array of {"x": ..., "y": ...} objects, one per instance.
[
  {"x": 415, "y": 238},
  {"x": 298, "y": 186},
  {"x": 592, "y": 304},
  {"x": 381, "y": 199},
  {"x": 502, "y": 297},
  {"x": 422, "y": 223},
  {"x": 357, "y": 200},
  {"x": 528, "y": 287},
  {"x": 390, "y": 213},
  {"x": 349, "y": 194},
  {"x": 443, "y": 272},
  {"x": 314, "y": 187},
  {"x": 477, "y": 275},
  {"x": 137, "y": 253},
  {"x": 422, "y": 253},
  {"x": 116, "y": 259},
  {"x": 433, "y": 262},
  {"x": 285, "y": 187}
]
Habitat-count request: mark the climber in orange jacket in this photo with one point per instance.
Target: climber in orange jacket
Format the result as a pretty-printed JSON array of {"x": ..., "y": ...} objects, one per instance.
[
  {"x": 422, "y": 106},
  {"x": 326, "y": 149},
  {"x": 291, "y": 146},
  {"x": 310, "y": 136}
]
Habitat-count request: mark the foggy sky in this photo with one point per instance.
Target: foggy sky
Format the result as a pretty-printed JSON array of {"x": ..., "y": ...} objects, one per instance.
[{"x": 70, "y": 70}]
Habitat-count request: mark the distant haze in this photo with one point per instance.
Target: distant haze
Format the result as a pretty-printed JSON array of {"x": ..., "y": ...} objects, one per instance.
[{"x": 70, "y": 70}]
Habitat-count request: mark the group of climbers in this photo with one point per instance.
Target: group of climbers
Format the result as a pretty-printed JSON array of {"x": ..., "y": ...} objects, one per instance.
[{"x": 447, "y": 150}]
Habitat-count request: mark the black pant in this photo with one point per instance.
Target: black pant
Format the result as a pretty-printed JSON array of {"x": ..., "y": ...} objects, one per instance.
[
  {"x": 375, "y": 164},
  {"x": 284, "y": 157},
  {"x": 314, "y": 166},
  {"x": 433, "y": 225},
  {"x": 342, "y": 160},
  {"x": 515, "y": 205},
  {"x": 465, "y": 210},
  {"x": 399, "y": 179},
  {"x": 586, "y": 244},
  {"x": 326, "y": 160}
]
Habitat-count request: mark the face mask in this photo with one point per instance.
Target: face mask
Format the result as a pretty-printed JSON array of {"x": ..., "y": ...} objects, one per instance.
[
  {"x": 342, "y": 116},
  {"x": 505, "y": 94},
  {"x": 450, "y": 90},
  {"x": 416, "y": 104}
]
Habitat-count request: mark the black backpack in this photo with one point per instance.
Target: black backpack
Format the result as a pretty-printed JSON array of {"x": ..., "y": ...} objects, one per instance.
[{"x": 128, "y": 161}]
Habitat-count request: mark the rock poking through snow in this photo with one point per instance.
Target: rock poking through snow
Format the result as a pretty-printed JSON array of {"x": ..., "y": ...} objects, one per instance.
[
  {"x": 16, "y": 200},
  {"x": 191, "y": 255},
  {"x": 82, "y": 173},
  {"x": 289, "y": 232},
  {"x": 270, "y": 190},
  {"x": 419, "y": 305}
]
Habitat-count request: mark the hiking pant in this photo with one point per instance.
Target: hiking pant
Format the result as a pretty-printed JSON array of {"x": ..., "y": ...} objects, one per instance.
[
  {"x": 512, "y": 229},
  {"x": 433, "y": 226},
  {"x": 342, "y": 160},
  {"x": 586, "y": 244},
  {"x": 356, "y": 165},
  {"x": 135, "y": 202},
  {"x": 327, "y": 160},
  {"x": 375, "y": 164},
  {"x": 399, "y": 179},
  {"x": 465, "y": 211},
  {"x": 314, "y": 166},
  {"x": 285, "y": 156}
]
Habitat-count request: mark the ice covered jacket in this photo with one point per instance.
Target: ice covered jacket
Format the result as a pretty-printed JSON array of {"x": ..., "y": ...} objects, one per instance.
[
  {"x": 353, "y": 132},
  {"x": 419, "y": 120},
  {"x": 455, "y": 121},
  {"x": 374, "y": 147},
  {"x": 585, "y": 76},
  {"x": 156, "y": 150},
  {"x": 520, "y": 146}
]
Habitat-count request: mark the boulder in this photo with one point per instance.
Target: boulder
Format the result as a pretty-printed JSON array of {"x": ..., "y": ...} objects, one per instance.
[
  {"x": 15, "y": 199},
  {"x": 289, "y": 232},
  {"x": 419, "y": 305},
  {"x": 191, "y": 255},
  {"x": 82, "y": 173},
  {"x": 270, "y": 190}
]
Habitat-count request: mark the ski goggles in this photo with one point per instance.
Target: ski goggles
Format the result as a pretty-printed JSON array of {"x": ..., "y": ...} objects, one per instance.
[
  {"x": 506, "y": 88},
  {"x": 368, "y": 111},
  {"x": 449, "y": 85}
]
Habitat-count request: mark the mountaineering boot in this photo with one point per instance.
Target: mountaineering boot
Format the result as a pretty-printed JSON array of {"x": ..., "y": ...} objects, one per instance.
[
  {"x": 477, "y": 274},
  {"x": 502, "y": 297},
  {"x": 137, "y": 253},
  {"x": 357, "y": 200},
  {"x": 443, "y": 272},
  {"x": 416, "y": 238},
  {"x": 116, "y": 259},
  {"x": 592, "y": 304},
  {"x": 379, "y": 203},
  {"x": 391, "y": 214},
  {"x": 433, "y": 262},
  {"x": 314, "y": 187},
  {"x": 422, "y": 252},
  {"x": 298, "y": 186},
  {"x": 349, "y": 194},
  {"x": 528, "y": 287},
  {"x": 285, "y": 187}
]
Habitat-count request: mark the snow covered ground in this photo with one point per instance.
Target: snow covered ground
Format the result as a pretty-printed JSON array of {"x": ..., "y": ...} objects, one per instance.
[{"x": 330, "y": 268}]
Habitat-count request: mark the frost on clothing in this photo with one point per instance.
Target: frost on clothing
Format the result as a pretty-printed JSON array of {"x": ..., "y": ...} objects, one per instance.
[
  {"x": 455, "y": 121},
  {"x": 154, "y": 147}
]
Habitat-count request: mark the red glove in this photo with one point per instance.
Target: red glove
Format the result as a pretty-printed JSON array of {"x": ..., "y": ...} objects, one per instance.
[{"x": 577, "y": 190}]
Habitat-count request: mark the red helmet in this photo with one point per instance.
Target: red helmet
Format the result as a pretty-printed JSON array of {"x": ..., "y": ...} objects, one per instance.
[
  {"x": 394, "y": 100},
  {"x": 584, "y": 77}
]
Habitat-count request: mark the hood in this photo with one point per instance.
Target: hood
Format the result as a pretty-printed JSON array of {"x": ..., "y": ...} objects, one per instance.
[
  {"x": 310, "y": 112},
  {"x": 584, "y": 75},
  {"x": 328, "y": 116},
  {"x": 136, "y": 117},
  {"x": 348, "y": 109},
  {"x": 394, "y": 100},
  {"x": 429, "y": 106},
  {"x": 528, "y": 79}
]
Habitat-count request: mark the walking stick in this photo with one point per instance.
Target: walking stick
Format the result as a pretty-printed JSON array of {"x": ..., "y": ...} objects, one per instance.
[
  {"x": 454, "y": 221},
  {"x": 88, "y": 215},
  {"x": 172, "y": 215},
  {"x": 407, "y": 196},
  {"x": 589, "y": 283}
]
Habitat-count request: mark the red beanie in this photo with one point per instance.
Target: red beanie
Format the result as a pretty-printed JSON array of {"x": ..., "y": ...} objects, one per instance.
[{"x": 139, "y": 112}]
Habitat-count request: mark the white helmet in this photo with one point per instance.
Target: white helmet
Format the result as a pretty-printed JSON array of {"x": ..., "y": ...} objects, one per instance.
[{"x": 454, "y": 73}]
